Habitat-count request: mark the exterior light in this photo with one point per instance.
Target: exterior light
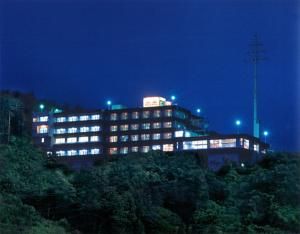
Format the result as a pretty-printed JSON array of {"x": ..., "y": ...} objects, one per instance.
[
  {"x": 266, "y": 133},
  {"x": 108, "y": 103},
  {"x": 42, "y": 106},
  {"x": 198, "y": 110},
  {"x": 238, "y": 124},
  {"x": 242, "y": 165},
  {"x": 173, "y": 98}
]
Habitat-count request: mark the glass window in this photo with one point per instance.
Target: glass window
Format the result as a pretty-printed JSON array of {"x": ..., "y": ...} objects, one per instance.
[
  {"x": 179, "y": 133},
  {"x": 34, "y": 120},
  {"x": 167, "y": 124},
  {"x": 246, "y": 144},
  {"x": 71, "y": 140},
  {"x": 134, "y": 126},
  {"x": 95, "y": 117},
  {"x": 43, "y": 118},
  {"x": 191, "y": 145},
  {"x": 145, "y": 137},
  {"x": 156, "y": 113},
  {"x": 156, "y": 136},
  {"x": 168, "y": 113},
  {"x": 42, "y": 139},
  {"x": 60, "y": 140},
  {"x": 124, "y": 150},
  {"x": 113, "y": 139},
  {"x": 72, "y": 130},
  {"x": 124, "y": 127},
  {"x": 84, "y": 118},
  {"x": 113, "y": 150},
  {"x": 146, "y": 126},
  {"x": 124, "y": 138},
  {"x": 222, "y": 143},
  {"x": 94, "y": 138},
  {"x": 124, "y": 116},
  {"x": 84, "y": 129},
  {"x": 95, "y": 128},
  {"x": 113, "y": 116},
  {"x": 145, "y": 149},
  {"x": 256, "y": 147},
  {"x": 83, "y": 152},
  {"x": 146, "y": 114},
  {"x": 134, "y": 137},
  {"x": 156, "y": 147},
  {"x": 61, "y": 119},
  {"x": 114, "y": 128},
  {"x": 61, "y": 153},
  {"x": 135, "y": 115},
  {"x": 83, "y": 139},
  {"x": 95, "y": 151},
  {"x": 134, "y": 149},
  {"x": 72, "y": 152},
  {"x": 72, "y": 118},
  {"x": 156, "y": 125},
  {"x": 42, "y": 129},
  {"x": 60, "y": 131},
  {"x": 180, "y": 115},
  {"x": 167, "y": 135},
  {"x": 168, "y": 147}
]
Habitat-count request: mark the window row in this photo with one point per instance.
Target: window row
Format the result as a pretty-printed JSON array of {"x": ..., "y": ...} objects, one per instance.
[
  {"x": 203, "y": 144},
  {"x": 144, "y": 114},
  {"x": 78, "y": 118},
  {"x": 142, "y": 149},
  {"x": 78, "y": 152},
  {"x": 40, "y": 119},
  {"x": 142, "y": 137},
  {"x": 125, "y": 127},
  {"x": 76, "y": 130},
  {"x": 71, "y": 140}
]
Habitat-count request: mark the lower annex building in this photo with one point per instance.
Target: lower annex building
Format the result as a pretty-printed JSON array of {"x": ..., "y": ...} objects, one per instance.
[{"x": 80, "y": 138}]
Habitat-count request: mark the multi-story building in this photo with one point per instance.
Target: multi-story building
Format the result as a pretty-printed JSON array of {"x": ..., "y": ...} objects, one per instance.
[{"x": 158, "y": 125}]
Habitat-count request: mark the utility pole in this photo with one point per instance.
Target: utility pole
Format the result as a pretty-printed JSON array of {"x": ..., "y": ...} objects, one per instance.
[{"x": 256, "y": 56}]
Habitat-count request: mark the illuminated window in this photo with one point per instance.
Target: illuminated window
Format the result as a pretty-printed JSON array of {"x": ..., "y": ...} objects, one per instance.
[
  {"x": 167, "y": 124},
  {"x": 113, "y": 150},
  {"x": 71, "y": 140},
  {"x": 179, "y": 133},
  {"x": 84, "y": 118},
  {"x": 135, "y": 137},
  {"x": 113, "y": 116},
  {"x": 167, "y": 135},
  {"x": 135, "y": 149},
  {"x": 191, "y": 145},
  {"x": 168, "y": 113},
  {"x": 156, "y": 125},
  {"x": 95, "y": 151},
  {"x": 72, "y": 118},
  {"x": 134, "y": 126},
  {"x": 94, "y": 138},
  {"x": 145, "y": 137},
  {"x": 72, "y": 130},
  {"x": 168, "y": 147},
  {"x": 124, "y": 127},
  {"x": 124, "y": 138},
  {"x": 113, "y": 139},
  {"x": 146, "y": 114},
  {"x": 156, "y": 113},
  {"x": 124, "y": 150},
  {"x": 246, "y": 144},
  {"x": 145, "y": 149},
  {"x": 256, "y": 147},
  {"x": 146, "y": 126},
  {"x": 124, "y": 116},
  {"x": 156, "y": 147},
  {"x": 95, "y": 128},
  {"x": 156, "y": 136},
  {"x": 95, "y": 117},
  {"x": 72, "y": 152},
  {"x": 60, "y": 153},
  {"x": 84, "y": 129},
  {"x": 222, "y": 143},
  {"x": 60, "y": 131},
  {"x": 42, "y": 129},
  {"x": 34, "y": 120},
  {"x": 113, "y": 128},
  {"x": 135, "y": 115},
  {"x": 43, "y": 118},
  {"x": 61, "y": 119},
  {"x": 42, "y": 139},
  {"x": 83, "y": 152},
  {"x": 60, "y": 140},
  {"x": 83, "y": 139}
]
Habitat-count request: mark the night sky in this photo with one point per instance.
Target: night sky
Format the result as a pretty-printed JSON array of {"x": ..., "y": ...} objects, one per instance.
[{"x": 85, "y": 52}]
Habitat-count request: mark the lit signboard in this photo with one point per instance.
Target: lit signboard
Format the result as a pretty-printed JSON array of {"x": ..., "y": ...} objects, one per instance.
[{"x": 154, "y": 101}]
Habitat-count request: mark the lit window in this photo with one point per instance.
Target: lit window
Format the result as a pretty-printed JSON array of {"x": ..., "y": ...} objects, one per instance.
[
  {"x": 42, "y": 129},
  {"x": 145, "y": 137},
  {"x": 192, "y": 145},
  {"x": 246, "y": 144},
  {"x": 94, "y": 138},
  {"x": 113, "y": 139},
  {"x": 60, "y": 140},
  {"x": 168, "y": 113},
  {"x": 71, "y": 140},
  {"x": 72, "y": 118},
  {"x": 84, "y": 118},
  {"x": 113, "y": 116},
  {"x": 60, "y": 131},
  {"x": 124, "y": 138},
  {"x": 124, "y": 150},
  {"x": 95, "y": 128},
  {"x": 167, "y": 124},
  {"x": 95, "y": 151},
  {"x": 83, "y": 139},
  {"x": 156, "y": 125},
  {"x": 156, "y": 136},
  {"x": 95, "y": 117},
  {"x": 256, "y": 147},
  {"x": 167, "y": 135},
  {"x": 61, "y": 119},
  {"x": 72, "y": 152},
  {"x": 146, "y": 114},
  {"x": 156, "y": 113},
  {"x": 113, "y": 150},
  {"x": 146, "y": 126},
  {"x": 42, "y": 139},
  {"x": 124, "y": 116},
  {"x": 34, "y": 120},
  {"x": 72, "y": 130},
  {"x": 134, "y": 126},
  {"x": 222, "y": 143},
  {"x": 134, "y": 137},
  {"x": 179, "y": 133},
  {"x": 43, "y": 118},
  {"x": 168, "y": 147},
  {"x": 156, "y": 147},
  {"x": 83, "y": 152},
  {"x": 135, "y": 115},
  {"x": 124, "y": 127},
  {"x": 145, "y": 149},
  {"x": 135, "y": 149},
  {"x": 60, "y": 153},
  {"x": 114, "y": 128},
  {"x": 84, "y": 129}
]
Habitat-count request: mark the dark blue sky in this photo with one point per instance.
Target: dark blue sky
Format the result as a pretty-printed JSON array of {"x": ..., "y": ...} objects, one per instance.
[{"x": 83, "y": 52}]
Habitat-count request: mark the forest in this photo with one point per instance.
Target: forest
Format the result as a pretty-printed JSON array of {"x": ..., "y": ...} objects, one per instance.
[{"x": 146, "y": 193}]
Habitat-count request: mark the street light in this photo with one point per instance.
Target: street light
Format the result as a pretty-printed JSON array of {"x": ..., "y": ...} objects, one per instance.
[
  {"x": 173, "y": 97},
  {"x": 198, "y": 110},
  {"x": 42, "y": 106},
  {"x": 238, "y": 124},
  {"x": 108, "y": 103},
  {"x": 266, "y": 133}
]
